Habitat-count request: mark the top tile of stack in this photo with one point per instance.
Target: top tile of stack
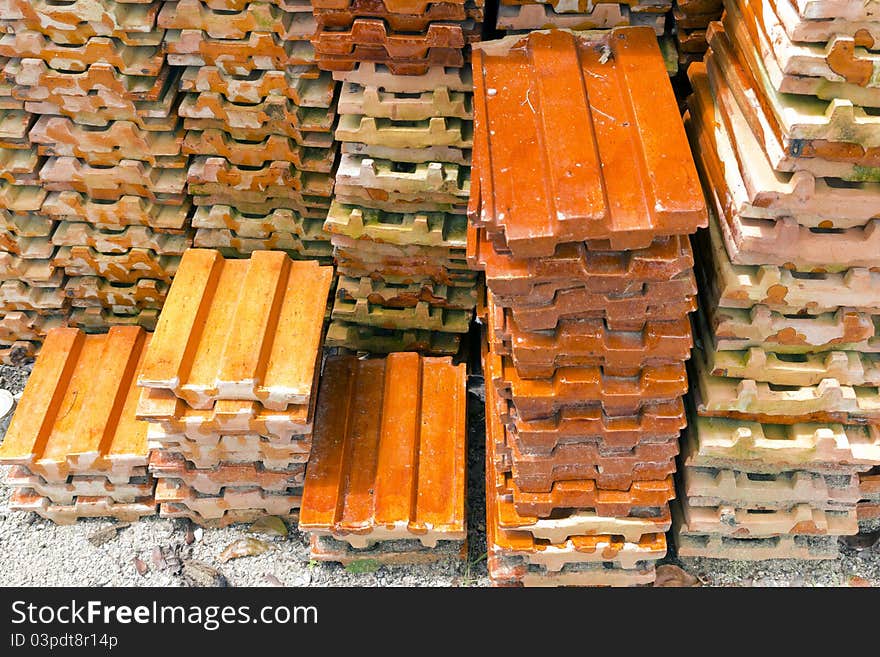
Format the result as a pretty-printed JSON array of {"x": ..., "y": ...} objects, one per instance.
[
  {"x": 599, "y": 152},
  {"x": 240, "y": 330}
]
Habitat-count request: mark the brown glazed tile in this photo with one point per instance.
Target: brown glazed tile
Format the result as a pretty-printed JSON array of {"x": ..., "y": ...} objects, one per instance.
[
  {"x": 211, "y": 481},
  {"x": 588, "y": 203},
  {"x": 373, "y": 32},
  {"x": 303, "y": 89},
  {"x": 69, "y": 423},
  {"x": 232, "y": 449},
  {"x": 388, "y": 459},
  {"x": 240, "y": 330},
  {"x": 435, "y": 57},
  {"x": 340, "y": 18}
]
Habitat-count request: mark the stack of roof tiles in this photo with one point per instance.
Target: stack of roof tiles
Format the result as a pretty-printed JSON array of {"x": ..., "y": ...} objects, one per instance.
[
  {"x": 398, "y": 222},
  {"x": 528, "y": 15},
  {"x": 585, "y": 193},
  {"x": 386, "y": 478},
  {"x": 92, "y": 200},
  {"x": 691, "y": 18},
  {"x": 74, "y": 443},
  {"x": 230, "y": 386},
  {"x": 784, "y": 121},
  {"x": 259, "y": 117}
]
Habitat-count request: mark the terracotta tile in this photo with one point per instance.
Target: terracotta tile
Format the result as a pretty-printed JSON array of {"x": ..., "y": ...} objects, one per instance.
[
  {"x": 711, "y": 487},
  {"x": 368, "y": 478},
  {"x": 26, "y": 325},
  {"x": 93, "y": 291},
  {"x": 29, "y": 248},
  {"x": 739, "y": 166},
  {"x": 259, "y": 51},
  {"x": 404, "y": 269},
  {"x": 808, "y": 141},
  {"x": 127, "y": 268},
  {"x": 245, "y": 449},
  {"x": 179, "y": 500},
  {"x": 128, "y": 60},
  {"x": 103, "y": 183},
  {"x": 372, "y": 32},
  {"x": 399, "y": 21},
  {"x": 394, "y": 295},
  {"x": 137, "y": 489},
  {"x": 120, "y": 240},
  {"x": 272, "y": 148},
  {"x": 232, "y": 245},
  {"x": 690, "y": 543},
  {"x": 77, "y": 21},
  {"x": 435, "y": 57},
  {"x": 742, "y": 523},
  {"x": 504, "y": 573},
  {"x": 375, "y": 74},
  {"x": 225, "y": 417},
  {"x": 431, "y": 181},
  {"x": 100, "y": 320},
  {"x": 265, "y": 178},
  {"x": 386, "y": 341},
  {"x": 37, "y": 273},
  {"x": 124, "y": 211},
  {"x": 521, "y": 17},
  {"x": 20, "y": 198},
  {"x": 219, "y": 87},
  {"x": 424, "y": 228},
  {"x": 395, "y": 6},
  {"x": 26, "y": 225},
  {"x": 247, "y": 225},
  {"x": 212, "y": 481},
  {"x": 421, "y": 316},
  {"x": 230, "y": 517},
  {"x": 691, "y": 20},
  {"x": 279, "y": 126},
  {"x": 258, "y": 363},
  {"x": 57, "y": 430},
  {"x": 869, "y": 486},
  {"x": 386, "y": 553},
  {"x": 272, "y": 111},
  {"x": 18, "y": 352},
  {"x": 16, "y": 295},
  {"x": 19, "y": 166},
  {"x": 691, "y": 41},
  {"x": 210, "y": 194},
  {"x": 376, "y": 102},
  {"x": 829, "y": 401},
  {"x": 83, "y": 507},
  {"x": 743, "y": 286},
  {"x": 224, "y": 24},
  {"x": 458, "y": 156},
  {"x": 850, "y": 368},
  {"x": 627, "y": 221},
  {"x": 770, "y": 448},
  {"x": 435, "y": 131}
]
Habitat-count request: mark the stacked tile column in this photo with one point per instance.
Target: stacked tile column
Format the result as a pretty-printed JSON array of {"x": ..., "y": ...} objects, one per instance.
[
  {"x": 586, "y": 192},
  {"x": 783, "y": 118},
  {"x": 397, "y": 222},
  {"x": 230, "y": 385},
  {"x": 259, "y": 118},
  {"x": 94, "y": 211},
  {"x": 691, "y": 18}
]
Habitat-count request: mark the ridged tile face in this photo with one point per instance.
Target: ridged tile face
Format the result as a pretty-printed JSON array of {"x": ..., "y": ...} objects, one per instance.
[
  {"x": 583, "y": 111},
  {"x": 240, "y": 330},
  {"x": 388, "y": 459},
  {"x": 69, "y": 422}
]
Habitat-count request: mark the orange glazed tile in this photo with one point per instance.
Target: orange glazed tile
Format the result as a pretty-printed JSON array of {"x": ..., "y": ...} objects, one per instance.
[
  {"x": 71, "y": 422},
  {"x": 388, "y": 459},
  {"x": 240, "y": 330},
  {"x": 578, "y": 140}
]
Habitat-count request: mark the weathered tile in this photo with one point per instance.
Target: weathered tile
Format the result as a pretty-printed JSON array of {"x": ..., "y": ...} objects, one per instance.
[
  {"x": 373, "y": 33},
  {"x": 272, "y": 148},
  {"x": 119, "y": 240},
  {"x": 36, "y": 273},
  {"x": 367, "y": 73},
  {"x": 94, "y": 291},
  {"x": 124, "y": 211},
  {"x": 271, "y": 111},
  {"x": 179, "y": 500},
  {"x": 232, "y": 245},
  {"x": 248, "y": 225},
  {"x": 532, "y": 221},
  {"x": 399, "y": 295},
  {"x": 302, "y": 89},
  {"x": 127, "y": 267},
  {"x": 270, "y": 335},
  {"x": 385, "y": 553},
  {"x": 138, "y": 488},
  {"x": 259, "y": 51},
  {"x": 75, "y": 22},
  {"x": 83, "y": 507},
  {"x": 435, "y": 131},
  {"x": 421, "y": 316},
  {"x": 230, "y": 24},
  {"x": 424, "y": 228},
  {"x": 432, "y": 181},
  {"x": 211, "y": 481},
  {"x": 246, "y": 448},
  {"x": 460, "y": 156},
  {"x": 100, "y": 320},
  {"x": 129, "y": 177},
  {"x": 280, "y": 127},
  {"x": 68, "y": 422},
  {"x": 524, "y": 17},
  {"x": 385, "y": 341},
  {"x": 340, "y": 16},
  {"x": 366, "y": 481},
  {"x": 800, "y": 520},
  {"x": 376, "y": 102}
]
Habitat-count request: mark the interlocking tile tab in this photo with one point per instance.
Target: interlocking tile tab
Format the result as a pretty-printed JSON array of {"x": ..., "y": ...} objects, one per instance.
[
  {"x": 83, "y": 507},
  {"x": 14, "y": 126},
  {"x": 20, "y": 198},
  {"x": 29, "y": 248},
  {"x": 269, "y": 112},
  {"x": 420, "y": 316},
  {"x": 376, "y": 102},
  {"x": 26, "y": 225},
  {"x": 125, "y": 211},
  {"x": 240, "y": 330},
  {"x": 576, "y": 200},
  {"x": 99, "y": 320},
  {"x": 435, "y": 131},
  {"x": 69, "y": 422},
  {"x": 140, "y": 487},
  {"x": 253, "y": 89},
  {"x": 374, "y": 33},
  {"x": 397, "y": 471},
  {"x": 386, "y": 341},
  {"x": 425, "y": 228},
  {"x": 259, "y": 51},
  {"x": 758, "y": 326},
  {"x": 438, "y": 181},
  {"x": 213, "y": 509},
  {"x": 771, "y": 448},
  {"x": 690, "y": 543},
  {"x": 712, "y": 487},
  {"x": 738, "y": 165},
  {"x": 121, "y": 140},
  {"x": 17, "y": 295},
  {"x": 803, "y": 28},
  {"x": 93, "y": 291},
  {"x": 397, "y": 295},
  {"x": 372, "y": 250},
  {"x": 20, "y": 166},
  {"x": 245, "y": 153},
  {"x": 225, "y": 418},
  {"x": 850, "y": 368},
  {"x": 121, "y": 240},
  {"x": 76, "y": 22},
  {"x": 247, "y": 225},
  {"x": 226, "y": 24},
  {"x": 129, "y": 177},
  {"x": 542, "y": 16},
  {"x": 280, "y": 126},
  {"x": 800, "y": 519},
  {"x": 375, "y": 74},
  {"x": 343, "y": 17},
  {"x": 126, "y": 268},
  {"x": 232, "y": 245},
  {"x": 829, "y": 401},
  {"x": 36, "y": 273},
  {"x": 386, "y": 553},
  {"x": 785, "y": 291},
  {"x": 213, "y": 481},
  {"x": 203, "y": 170},
  {"x": 435, "y": 57},
  {"x": 100, "y": 109}
]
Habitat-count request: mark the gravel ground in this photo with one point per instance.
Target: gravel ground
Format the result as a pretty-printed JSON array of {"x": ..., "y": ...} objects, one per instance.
[{"x": 38, "y": 553}]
